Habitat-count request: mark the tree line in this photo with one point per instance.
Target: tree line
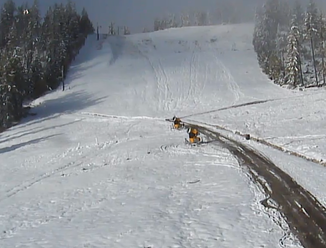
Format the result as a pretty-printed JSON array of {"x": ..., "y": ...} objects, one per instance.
[
  {"x": 224, "y": 12},
  {"x": 289, "y": 40},
  {"x": 35, "y": 52}
]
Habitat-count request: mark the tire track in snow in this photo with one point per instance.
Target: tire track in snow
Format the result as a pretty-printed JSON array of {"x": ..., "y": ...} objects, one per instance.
[
  {"x": 264, "y": 141},
  {"x": 196, "y": 86},
  {"x": 53, "y": 211},
  {"x": 304, "y": 214},
  {"x": 185, "y": 88},
  {"x": 203, "y": 82},
  {"x": 166, "y": 82},
  {"x": 71, "y": 210},
  {"x": 160, "y": 88},
  {"x": 93, "y": 114},
  {"x": 228, "y": 78},
  {"x": 230, "y": 82},
  {"x": 161, "y": 85},
  {"x": 191, "y": 77},
  {"x": 55, "y": 172},
  {"x": 82, "y": 160},
  {"x": 200, "y": 84},
  {"x": 65, "y": 212},
  {"x": 229, "y": 107},
  {"x": 162, "y": 80}
]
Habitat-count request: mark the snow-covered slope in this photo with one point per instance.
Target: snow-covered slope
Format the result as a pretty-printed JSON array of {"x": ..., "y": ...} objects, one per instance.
[
  {"x": 99, "y": 167},
  {"x": 193, "y": 70}
]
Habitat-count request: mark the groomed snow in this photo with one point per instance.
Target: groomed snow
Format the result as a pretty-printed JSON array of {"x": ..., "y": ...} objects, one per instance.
[{"x": 100, "y": 167}]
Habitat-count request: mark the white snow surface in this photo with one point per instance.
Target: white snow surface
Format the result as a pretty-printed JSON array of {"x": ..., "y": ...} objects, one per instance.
[{"x": 99, "y": 166}]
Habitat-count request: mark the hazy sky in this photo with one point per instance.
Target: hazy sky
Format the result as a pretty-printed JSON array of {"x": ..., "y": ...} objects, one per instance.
[{"x": 138, "y": 14}]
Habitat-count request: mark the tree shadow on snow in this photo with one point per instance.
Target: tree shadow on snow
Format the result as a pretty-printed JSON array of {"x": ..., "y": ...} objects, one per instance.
[
  {"x": 26, "y": 143},
  {"x": 89, "y": 52},
  {"x": 32, "y": 131},
  {"x": 84, "y": 59},
  {"x": 117, "y": 44},
  {"x": 66, "y": 104}
]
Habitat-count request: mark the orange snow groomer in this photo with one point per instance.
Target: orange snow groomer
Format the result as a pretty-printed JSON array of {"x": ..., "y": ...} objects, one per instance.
[
  {"x": 177, "y": 123},
  {"x": 193, "y": 135}
]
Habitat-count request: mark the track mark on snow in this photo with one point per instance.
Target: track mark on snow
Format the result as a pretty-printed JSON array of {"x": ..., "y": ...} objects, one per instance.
[
  {"x": 28, "y": 184},
  {"x": 52, "y": 211},
  {"x": 121, "y": 116},
  {"x": 196, "y": 85},
  {"x": 168, "y": 147},
  {"x": 192, "y": 70},
  {"x": 304, "y": 214},
  {"x": 264, "y": 142},
  {"x": 229, "y": 80},
  {"x": 162, "y": 80},
  {"x": 167, "y": 92},
  {"x": 60, "y": 171},
  {"x": 158, "y": 79},
  {"x": 195, "y": 181},
  {"x": 229, "y": 107}
]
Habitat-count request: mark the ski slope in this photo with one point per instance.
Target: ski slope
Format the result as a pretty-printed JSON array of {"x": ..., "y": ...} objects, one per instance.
[{"x": 99, "y": 166}]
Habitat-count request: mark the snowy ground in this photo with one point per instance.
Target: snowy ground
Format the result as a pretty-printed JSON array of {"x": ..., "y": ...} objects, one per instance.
[{"x": 99, "y": 167}]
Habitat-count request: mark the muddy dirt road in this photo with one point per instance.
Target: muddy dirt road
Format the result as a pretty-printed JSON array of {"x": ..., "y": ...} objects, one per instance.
[{"x": 305, "y": 216}]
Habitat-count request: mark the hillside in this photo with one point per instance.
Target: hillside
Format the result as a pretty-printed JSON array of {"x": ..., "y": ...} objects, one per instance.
[{"x": 99, "y": 166}]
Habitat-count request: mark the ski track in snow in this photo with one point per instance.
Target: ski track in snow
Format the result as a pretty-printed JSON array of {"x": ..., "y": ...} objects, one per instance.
[
  {"x": 83, "y": 162},
  {"x": 161, "y": 86},
  {"x": 59, "y": 171},
  {"x": 174, "y": 94},
  {"x": 230, "y": 82}
]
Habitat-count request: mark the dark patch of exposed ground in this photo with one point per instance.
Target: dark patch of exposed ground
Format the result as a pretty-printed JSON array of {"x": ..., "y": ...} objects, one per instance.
[{"x": 305, "y": 215}]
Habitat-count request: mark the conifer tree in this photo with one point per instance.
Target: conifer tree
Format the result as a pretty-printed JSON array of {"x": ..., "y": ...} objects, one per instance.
[
  {"x": 185, "y": 20},
  {"x": 292, "y": 61},
  {"x": 311, "y": 27},
  {"x": 6, "y": 20}
]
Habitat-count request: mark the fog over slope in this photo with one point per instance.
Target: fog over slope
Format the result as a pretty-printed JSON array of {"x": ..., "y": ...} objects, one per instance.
[{"x": 141, "y": 13}]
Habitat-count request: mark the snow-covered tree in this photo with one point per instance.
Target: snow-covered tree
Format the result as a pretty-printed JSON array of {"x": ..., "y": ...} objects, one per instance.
[
  {"x": 265, "y": 33},
  {"x": 311, "y": 29},
  {"x": 35, "y": 54},
  {"x": 126, "y": 30},
  {"x": 321, "y": 48},
  {"x": 201, "y": 18},
  {"x": 172, "y": 21},
  {"x": 6, "y": 20},
  {"x": 292, "y": 67},
  {"x": 298, "y": 14},
  {"x": 185, "y": 20}
]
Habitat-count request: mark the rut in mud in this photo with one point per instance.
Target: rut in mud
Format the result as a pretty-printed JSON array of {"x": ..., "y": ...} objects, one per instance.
[{"x": 305, "y": 216}]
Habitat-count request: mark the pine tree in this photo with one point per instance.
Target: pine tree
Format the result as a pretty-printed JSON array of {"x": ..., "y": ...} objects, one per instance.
[
  {"x": 185, "y": 20},
  {"x": 311, "y": 27},
  {"x": 292, "y": 67},
  {"x": 281, "y": 43},
  {"x": 298, "y": 14},
  {"x": 201, "y": 18},
  {"x": 14, "y": 87},
  {"x": 6, "y": 20},
  {"x": 7, "y": 94},
  {"x": 265, "y": 34},
  {"x": 321, "y": 46},
  {"x": 126, "y": 31},
  {"x": 86, "y": 27},
  {"x": 156, "y": 24},
  {"x": 172, "y": 21}
]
